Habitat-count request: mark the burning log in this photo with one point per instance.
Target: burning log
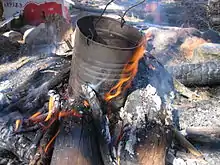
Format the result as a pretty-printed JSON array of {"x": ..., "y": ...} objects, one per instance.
[
  {"x": 101, "y": 123},
  {"x": 44, "y": 151},
  {"x": 117, "y": 48}
]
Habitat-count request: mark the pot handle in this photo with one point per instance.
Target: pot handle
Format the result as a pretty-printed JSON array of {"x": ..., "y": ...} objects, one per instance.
[
  {"x": 122, "y": 17},
  {"x": 91, "y": 36}
]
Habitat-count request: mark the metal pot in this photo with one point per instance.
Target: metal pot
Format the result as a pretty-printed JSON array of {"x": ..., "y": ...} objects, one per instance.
[{"x": 102, "y": 47}]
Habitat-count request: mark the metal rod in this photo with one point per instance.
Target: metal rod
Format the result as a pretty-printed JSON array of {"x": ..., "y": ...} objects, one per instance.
[
  {"x": 103, "y": 12},
  {"x": 122, "y": 17}
]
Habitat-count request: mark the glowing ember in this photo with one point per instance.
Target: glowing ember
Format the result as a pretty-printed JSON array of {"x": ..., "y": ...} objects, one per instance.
[
  {"x": 17, "y": 124},
  {"x": 69, "y": 113},
  {"x": 50, "y": 124},
  {"x": 130, "y": 68},
  {"x": 85, "y": 103},
  {"x": 50, "y": 142},
  {"x": 189, "y": 45}
]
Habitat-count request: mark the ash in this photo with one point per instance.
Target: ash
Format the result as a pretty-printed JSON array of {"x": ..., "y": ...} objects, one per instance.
[
  {"x": 201, "y": 113},
  {"x": 137, "y": 108},
  {"x": 140, "y": 104}
]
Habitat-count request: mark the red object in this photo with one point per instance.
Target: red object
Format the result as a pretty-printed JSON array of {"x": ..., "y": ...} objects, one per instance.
[
  {"x": 66, "y": 14},
  {"x": 33, "y": 13},
  {"x": 51, "y": 8}
]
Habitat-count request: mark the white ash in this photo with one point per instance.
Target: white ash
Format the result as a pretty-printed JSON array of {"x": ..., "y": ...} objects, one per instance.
[
  {"x": 140, "y": 103},
  {"x": 179, "y": 161},
  {"x": 13, "y": 35},
  {"x": 167, "y": 110}
]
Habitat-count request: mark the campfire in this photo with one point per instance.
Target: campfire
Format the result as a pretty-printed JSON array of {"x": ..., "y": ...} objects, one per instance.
[
  {"x": 107, "y": 95},
  {"x": 97, "y": 92}
]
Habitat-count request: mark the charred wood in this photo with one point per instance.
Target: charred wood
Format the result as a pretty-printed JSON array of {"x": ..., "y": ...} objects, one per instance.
[
  {"x": 44, "y": 152},
  {"x": 38, "y": 97},
  {"x": 18, "y": 144},
  {"x": 101, "y": 123},
  {"x": 206, "y": 73},
  {"x": 212, "y": 131},
  {"x": 81, "y": 146},
  {"x": 145, "y": 139}
]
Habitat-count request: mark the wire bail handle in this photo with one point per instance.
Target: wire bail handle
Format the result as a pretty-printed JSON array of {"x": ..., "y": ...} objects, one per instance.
[{"x": 122, "y": 18}]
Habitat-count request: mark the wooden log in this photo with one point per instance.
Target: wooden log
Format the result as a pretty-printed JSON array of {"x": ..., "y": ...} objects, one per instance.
[
  {"x": 152, "y": 139},
  {"x": 76, "y": 144},
  {"x": 38, "y": 97},
  {"x": 146, "y": 141},
  {"x": 209, "y": 136},
  {"x": 206, "y": 73},
  {"x": 213, "y": 131},
  {"x": 153, "y": 148}
]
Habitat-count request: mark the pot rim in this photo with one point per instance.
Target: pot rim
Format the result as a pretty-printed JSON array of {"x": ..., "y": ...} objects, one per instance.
[{"x": 143, "y": 37}]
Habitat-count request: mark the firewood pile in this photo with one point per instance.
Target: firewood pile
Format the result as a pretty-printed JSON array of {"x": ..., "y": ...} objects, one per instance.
[{"x": 156, "y": 105}]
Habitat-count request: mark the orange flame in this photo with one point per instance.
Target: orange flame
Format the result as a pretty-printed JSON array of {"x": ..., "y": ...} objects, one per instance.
[
  {"x": 69, "y": 113},
  {"x": 34, "y": 115},
  {"x": 131, "y": 68},
  {"x": 50, "y": 142},
  {"x": 85, "y": 103},
  {"x": 17, "y": 124},
  {"x": 50, "y": 108}
]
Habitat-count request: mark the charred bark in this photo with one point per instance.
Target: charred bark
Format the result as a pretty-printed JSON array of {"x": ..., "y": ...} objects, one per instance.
[
  {"x": 16, "y": 144},
  {"x": 29, "y": 102},
  {"x": 76, "y": 144},
  {"x": 206, "y": 73}
]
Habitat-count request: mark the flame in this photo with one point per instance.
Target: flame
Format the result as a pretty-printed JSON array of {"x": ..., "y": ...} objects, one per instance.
[
  {"x": 85, "y": 103},
  {"x": 69, "y": 113},
  {"x": 34, "y": 115},
  {"x": 50, "y": 123},
  {"x": 50, "y": 142},
  {"x": 17, "y": 124},
  {"x": 131, "y": 67},
  {"x": 50, "y": 108}
]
